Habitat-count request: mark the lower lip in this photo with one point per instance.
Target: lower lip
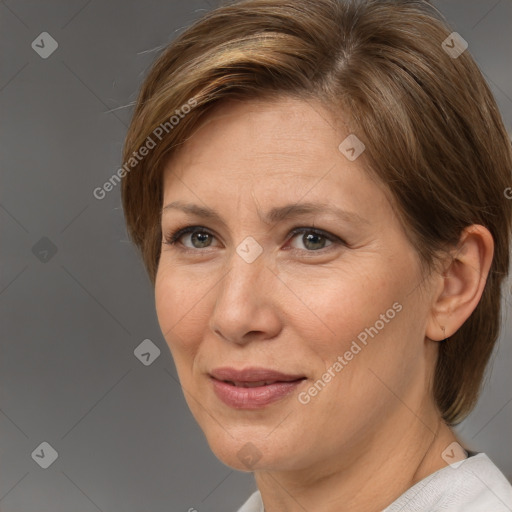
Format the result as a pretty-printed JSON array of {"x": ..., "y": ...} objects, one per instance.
[{"x": 252, "y": 398}]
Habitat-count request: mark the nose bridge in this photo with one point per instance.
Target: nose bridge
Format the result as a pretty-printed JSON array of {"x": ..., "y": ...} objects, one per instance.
[
  {"x": 245, "y": 273},
  {"x": 242, "y": 295}
]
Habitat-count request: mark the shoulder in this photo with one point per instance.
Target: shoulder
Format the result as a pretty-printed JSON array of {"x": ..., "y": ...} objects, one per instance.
[
  {"x": 474, "y": 485},
  {"x": 253, "y": 504}
]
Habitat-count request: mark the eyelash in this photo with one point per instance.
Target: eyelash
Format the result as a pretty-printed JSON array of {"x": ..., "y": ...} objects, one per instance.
[{"x": 173, "y": 238}]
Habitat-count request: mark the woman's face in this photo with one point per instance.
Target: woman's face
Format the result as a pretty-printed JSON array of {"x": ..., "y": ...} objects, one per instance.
[{"x": 337, "y": 304}]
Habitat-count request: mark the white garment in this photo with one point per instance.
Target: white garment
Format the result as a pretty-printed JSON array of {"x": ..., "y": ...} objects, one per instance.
[{"x": 476, "y": 485}]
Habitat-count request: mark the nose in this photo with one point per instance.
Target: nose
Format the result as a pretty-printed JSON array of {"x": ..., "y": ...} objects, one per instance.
[{"x": 247, "y": 302}]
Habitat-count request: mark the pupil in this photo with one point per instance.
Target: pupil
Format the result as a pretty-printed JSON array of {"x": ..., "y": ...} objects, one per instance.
[
  {"x": 311, "y": 236},
  {"x": 199, "y": 235}
]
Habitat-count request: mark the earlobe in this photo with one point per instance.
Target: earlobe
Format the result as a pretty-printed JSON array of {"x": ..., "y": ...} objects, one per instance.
[{"x": 461, "y": 284}]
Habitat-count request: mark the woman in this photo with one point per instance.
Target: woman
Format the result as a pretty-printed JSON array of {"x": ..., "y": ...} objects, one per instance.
[{"x": 317, "y": 192}]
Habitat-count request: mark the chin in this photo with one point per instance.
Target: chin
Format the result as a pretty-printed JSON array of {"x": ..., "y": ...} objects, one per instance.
[{"x": 250, "y": 451}]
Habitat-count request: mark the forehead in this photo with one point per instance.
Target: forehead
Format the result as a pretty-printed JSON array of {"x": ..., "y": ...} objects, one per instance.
[
  {"x": 271, "y": 130},
  {"x": 271, "y": 149}
]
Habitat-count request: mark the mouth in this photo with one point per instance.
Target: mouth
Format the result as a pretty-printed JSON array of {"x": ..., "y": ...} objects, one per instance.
[
  {"x": 257, "y": 384},
  {"x": 253, "y": 376},
  {"x": 252, "y": 388}
]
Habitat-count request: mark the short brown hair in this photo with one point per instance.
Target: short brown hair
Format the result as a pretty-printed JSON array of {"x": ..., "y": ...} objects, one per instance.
[{"x": 431, "y": 127}]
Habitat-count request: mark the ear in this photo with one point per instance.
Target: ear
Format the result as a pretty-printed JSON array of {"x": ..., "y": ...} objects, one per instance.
[{"x": 461, "y": 285}]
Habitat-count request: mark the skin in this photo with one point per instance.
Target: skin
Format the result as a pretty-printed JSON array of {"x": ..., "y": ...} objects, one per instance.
[{"x": 373, "y": 430}]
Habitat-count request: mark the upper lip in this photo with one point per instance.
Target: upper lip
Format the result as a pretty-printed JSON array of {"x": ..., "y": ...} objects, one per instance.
[{"x": 253, "y": 374}]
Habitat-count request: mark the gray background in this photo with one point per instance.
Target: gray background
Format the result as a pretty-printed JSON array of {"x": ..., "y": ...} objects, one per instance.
[{"x": 75, "y": 301}]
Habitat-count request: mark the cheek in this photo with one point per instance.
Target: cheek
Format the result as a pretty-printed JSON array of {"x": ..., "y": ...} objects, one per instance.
[
  {"x": 346, "y": 307},
  {"x": 360, "y": 320},
  {"x": 178, "y": 302}
]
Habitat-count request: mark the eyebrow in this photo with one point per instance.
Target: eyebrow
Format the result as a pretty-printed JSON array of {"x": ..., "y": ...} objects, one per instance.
[{"x": 276, "y": 214}]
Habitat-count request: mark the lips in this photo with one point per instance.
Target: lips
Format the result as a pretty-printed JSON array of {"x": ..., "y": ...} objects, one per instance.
[{"x": 252, "y": 388}]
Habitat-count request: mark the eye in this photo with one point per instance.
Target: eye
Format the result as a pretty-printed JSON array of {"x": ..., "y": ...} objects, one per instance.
[
  {"x": 199, "y": 234},
  {"x": 313, "y": 239}
]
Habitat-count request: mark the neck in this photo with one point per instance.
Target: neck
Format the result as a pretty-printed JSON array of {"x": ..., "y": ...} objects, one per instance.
[{"x": 369, "y": 478}]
